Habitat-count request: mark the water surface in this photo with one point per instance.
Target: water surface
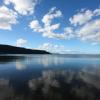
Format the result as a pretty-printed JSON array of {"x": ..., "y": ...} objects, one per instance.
[{"x": 49, "y": 77}]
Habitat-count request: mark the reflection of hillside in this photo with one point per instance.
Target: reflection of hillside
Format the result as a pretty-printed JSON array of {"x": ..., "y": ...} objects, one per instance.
[{"x": 7, "y": 58}]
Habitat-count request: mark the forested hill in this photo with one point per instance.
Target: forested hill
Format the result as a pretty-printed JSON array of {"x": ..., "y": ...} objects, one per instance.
[{"x": 7, "y": 49}]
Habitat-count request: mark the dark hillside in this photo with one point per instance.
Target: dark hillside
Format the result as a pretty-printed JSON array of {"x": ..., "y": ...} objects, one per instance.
[{"x": 7, "y": 49}]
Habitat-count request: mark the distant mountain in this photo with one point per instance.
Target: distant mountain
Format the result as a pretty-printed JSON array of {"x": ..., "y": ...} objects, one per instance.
[{"x": 7, "y": 49}]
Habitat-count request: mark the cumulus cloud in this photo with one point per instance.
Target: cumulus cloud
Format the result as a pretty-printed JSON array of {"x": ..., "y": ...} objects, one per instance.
[
  {"x": 48, "y": 29},
  {"x": 84, "y": 25},
  {"x": 7, "y": 18},
  {"x": 81, "y": 17},
  {"x": 97, "y": 11},
  {"x": 87, "y": 25},
  {"x": 84, "y": 16},
  {"x": 36, "y": 26},
  {"x": 21, "y": 42},
  {"x": 54, "y": 48},
  {"x": 23, "y": 7},
  {"x": 53, "y": 13},
  {"x": 90, "y": 32}
]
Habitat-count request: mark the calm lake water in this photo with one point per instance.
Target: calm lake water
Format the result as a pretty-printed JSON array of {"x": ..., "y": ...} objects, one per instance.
[{"x": 49, "y": 77}]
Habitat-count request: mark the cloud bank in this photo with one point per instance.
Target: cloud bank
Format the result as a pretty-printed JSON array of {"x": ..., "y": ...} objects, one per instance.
[
  {"x": 54, "y": 48},
  {"x": 84, "y": 25},
  {"x": 48, "y": 29}
]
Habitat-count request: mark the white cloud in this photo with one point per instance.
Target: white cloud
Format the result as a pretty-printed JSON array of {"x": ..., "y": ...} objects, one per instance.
[
  {"x": 84, "y": 16},
  {"x": 53, "y": 48},
  {"x": 21, "y": 42},
  {"x": 90, "y": 32},
  {"x": 36, "y": 26},
  {"x": 86, "y": 26},
  {"x": 97, "y": 11},
  {"x": 53, "y": 13},
  {"x": 7, "y": 18},
  {"x": 23, "y": 7},
  {"x": 48, "y": 29},
  {"x": 68, "y": 30},
  {"x": 81, "y": 17}
]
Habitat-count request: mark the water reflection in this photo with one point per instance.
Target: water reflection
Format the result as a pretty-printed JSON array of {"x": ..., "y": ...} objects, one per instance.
[
  {"x": 66, "y": 84},
  {"x": 91, "y": 75},
  {"x": 50, "y": 78},
  {"x": 47, "y": 60},
  {"x": 20, "y": 65},
  {"x": 10, "y": 58},
  {"x": 5, "y": 90}
]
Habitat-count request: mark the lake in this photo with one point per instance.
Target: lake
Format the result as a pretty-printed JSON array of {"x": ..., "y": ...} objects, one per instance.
[{"x": 49, "y": 77}]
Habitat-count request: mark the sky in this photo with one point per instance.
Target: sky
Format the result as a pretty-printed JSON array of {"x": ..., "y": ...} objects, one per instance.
[{"x": 60, "y": 26}]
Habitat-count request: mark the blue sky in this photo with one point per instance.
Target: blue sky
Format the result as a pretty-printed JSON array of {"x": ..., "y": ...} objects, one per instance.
[{"x": 64, "y": 26}]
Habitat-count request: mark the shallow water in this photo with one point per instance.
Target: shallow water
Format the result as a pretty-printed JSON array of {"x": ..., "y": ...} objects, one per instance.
[{"x": 49, "y": 77}]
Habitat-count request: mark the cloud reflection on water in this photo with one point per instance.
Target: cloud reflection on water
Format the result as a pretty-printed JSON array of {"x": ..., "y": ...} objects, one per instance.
[
  {"x": 51, "y": 82},
  {"x": 20, "y": 65},
  {"x": 80, "y": 85},
  {"x": 47, "y": 60},
  {"x": 57, "y": 85}
]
